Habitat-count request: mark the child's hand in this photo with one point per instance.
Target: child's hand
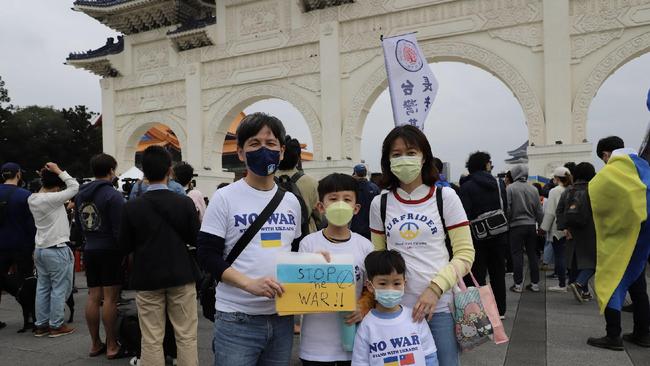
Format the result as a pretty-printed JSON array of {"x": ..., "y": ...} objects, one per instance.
[
  {"x": 354, "y": 317},
  {"x": 326, "y": 255}
]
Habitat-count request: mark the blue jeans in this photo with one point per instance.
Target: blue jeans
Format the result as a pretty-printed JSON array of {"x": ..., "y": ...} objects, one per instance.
[
  {"x": 248, "y": 340},
  {"x": 443, "y": 330},
  {"x": 54, "y": 267},
  {"x": 559, "y": 251},
  {"x": 584, "y": 276},
  {"x": 548, "y": 253}
]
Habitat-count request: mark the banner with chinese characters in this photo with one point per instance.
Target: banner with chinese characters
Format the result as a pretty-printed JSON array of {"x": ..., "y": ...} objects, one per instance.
[
  {"x": 314, "y": 286},
  {"x": 411, "y": 83}
]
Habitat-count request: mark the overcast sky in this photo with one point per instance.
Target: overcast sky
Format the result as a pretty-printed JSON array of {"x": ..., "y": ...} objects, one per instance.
[{"x": 36, "y": 37}]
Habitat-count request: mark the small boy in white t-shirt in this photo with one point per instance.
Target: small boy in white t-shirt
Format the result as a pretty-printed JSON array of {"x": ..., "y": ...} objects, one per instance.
[
  {"x": 388, "y": 335},
  {"x": 320, "y": 339}
]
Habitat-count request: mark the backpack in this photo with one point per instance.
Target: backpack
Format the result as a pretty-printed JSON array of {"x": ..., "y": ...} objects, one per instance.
[
  {"x": 4, "y": 204},
  {"x": 289, "y": 184},
  {"x": 576, "y": 212}
]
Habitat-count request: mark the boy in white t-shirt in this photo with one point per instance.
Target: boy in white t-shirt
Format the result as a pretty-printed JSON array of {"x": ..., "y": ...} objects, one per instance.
[
  {"x": 388, "y": 335},
  {"x": 320, "y": 341}
]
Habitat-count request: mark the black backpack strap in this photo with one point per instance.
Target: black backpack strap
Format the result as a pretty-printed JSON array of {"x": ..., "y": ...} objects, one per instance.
[
  {"x": 383, "y": 201},
  {"x": 256, "y": 226},
  {"x": 296, "y": 177},
  {"x": 440, "y": 204}
]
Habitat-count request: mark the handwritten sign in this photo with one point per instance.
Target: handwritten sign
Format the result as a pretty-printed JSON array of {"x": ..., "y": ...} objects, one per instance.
[{"x": 314, "y": 286}]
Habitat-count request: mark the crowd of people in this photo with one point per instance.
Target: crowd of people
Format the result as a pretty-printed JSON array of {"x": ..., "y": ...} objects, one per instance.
[{"x": 412, "y": 239}]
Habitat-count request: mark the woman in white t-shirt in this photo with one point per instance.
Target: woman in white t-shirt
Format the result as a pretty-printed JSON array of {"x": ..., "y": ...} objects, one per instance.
[{"x": 413, "y": 227}]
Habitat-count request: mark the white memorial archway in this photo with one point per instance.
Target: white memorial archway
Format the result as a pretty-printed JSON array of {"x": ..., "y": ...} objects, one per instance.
[{"x": 197, "y": 63}]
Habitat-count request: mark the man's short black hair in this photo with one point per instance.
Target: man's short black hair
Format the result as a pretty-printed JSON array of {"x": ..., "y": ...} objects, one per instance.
[
  {"x": 584, "y": 172},
  {"x": 571, "y": 166},
  {"x": 50, "y": 179},
  {"x": 292, "y": 152},
  {"x": 184, "y": 173},
  {"x": 477, "y": 162},
  {"x": 254, "y": 122},
  {"x": 156, "y": 162},
  {"x": 101, "y": 165},
  {"x": 11, "y": 174},
  {"x": 384, "y": 262},
  {"x": 337, "y": 182},
  {"x": 609, "y": 144}
]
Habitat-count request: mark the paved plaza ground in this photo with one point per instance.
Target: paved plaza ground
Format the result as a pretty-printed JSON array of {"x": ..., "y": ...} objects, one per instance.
[{"x": 545, "y": 329}]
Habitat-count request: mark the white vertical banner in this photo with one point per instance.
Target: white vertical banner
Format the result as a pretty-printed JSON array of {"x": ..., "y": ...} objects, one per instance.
[{"x": 411, "y": 84}]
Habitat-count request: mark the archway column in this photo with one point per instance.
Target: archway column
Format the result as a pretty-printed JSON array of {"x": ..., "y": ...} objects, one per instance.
[
  {"x": 193, "y": 116},
  {"x": 109, "y": 145},
  {"x": 330, "y": 79},
  {"x": 557, "y": 71}
]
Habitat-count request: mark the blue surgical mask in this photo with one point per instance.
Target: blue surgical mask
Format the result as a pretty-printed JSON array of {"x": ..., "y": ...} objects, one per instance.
[
  {"x": 263, "y": 161},
  {"x": 389, "y": 298}
]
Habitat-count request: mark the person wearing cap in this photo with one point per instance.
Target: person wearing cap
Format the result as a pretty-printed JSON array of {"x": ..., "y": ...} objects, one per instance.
[
  {"x": 561, "y": 176},
  {"x": 52, "y": 256},
  {"x": 366, "y": 192},
  {"x": 17, "y": 228}
]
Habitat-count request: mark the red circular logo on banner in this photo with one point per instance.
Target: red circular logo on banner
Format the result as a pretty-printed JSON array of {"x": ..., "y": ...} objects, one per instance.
[{"x": 407, "y": 55}]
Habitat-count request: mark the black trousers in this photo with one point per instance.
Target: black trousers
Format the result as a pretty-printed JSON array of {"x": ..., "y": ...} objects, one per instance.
[
  {"x": 490, "y": 259},
  {"x": 524, "y": 237},
  {"x": 641, "y": 311},
  {"x": 23, "y": 261}
]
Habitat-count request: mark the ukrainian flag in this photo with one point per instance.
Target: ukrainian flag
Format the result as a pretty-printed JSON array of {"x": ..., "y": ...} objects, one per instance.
[
  {"x": 271, "y": 239},
  {"x": 391, "y": 361},
  {"x": 620, "y": 200}
]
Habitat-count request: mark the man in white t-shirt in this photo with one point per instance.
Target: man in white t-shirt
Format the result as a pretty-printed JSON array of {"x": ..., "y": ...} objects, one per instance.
[{"x": 248, "y": 330}]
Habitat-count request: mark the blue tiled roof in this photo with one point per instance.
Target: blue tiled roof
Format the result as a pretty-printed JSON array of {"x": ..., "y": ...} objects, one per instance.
[
  {"x": 100, "y": 3},
  {"x": 110, "y": 48},
  {"x": 193, "y": 24}
]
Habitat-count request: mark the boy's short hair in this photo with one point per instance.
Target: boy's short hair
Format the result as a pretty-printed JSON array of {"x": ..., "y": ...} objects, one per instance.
[
  {"x": 101, "y": 165},
  {"x": 156, "y": 162},
  {"x": 384, "y": 262},
  {"x": 609, "y": 144},
  {"x": 184, "y": 173},
  {"x": 50, "y": 179},
  {"x": 337, "y": 182},
  {"x": 254, "y": 122}
]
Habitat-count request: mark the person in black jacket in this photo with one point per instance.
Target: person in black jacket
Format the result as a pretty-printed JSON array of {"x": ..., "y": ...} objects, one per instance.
[
  {"x": 157, "y": 227},
  {"x": 98, "y": 214},
  {"x": 366, "y": 192},
  {"x": 479, "y": 194}
]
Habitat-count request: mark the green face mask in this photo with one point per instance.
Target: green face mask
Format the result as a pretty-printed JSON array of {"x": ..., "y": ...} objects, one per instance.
[
  {"x": 339, "y": 213},
  {"x": 406, "y": 168}
]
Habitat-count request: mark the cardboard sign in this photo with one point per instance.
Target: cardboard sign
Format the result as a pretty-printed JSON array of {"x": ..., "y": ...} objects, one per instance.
[{"x": 314, "y": 286}]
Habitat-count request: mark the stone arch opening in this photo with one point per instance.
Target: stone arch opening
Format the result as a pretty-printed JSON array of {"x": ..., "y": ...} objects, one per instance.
[
  {"x": 466, "y": 53},
  {"x": 620, "y": 111},
  {"x": 222, "y": 116},
  {"x": 452, "y": 130},
  {"x": 162, "y": 127},
  {"x": 294, "y": 124},
  {"x": 610, "y": 64}
]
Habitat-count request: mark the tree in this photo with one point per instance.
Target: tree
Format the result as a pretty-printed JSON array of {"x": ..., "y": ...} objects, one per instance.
[{"x": 34, "y": 135}]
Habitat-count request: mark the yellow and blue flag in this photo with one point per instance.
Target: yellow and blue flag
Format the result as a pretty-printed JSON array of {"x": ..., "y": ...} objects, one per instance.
[
  {"x": 271, "y": 239},
  {"x": 620, "y": 200}
]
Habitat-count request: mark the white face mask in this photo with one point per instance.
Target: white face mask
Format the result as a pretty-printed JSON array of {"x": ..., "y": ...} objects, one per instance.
[{"x": 406, "y": 168}]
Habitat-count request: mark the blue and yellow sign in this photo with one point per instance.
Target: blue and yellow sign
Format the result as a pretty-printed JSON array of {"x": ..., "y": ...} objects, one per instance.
[{"x": 313, "y": 287}]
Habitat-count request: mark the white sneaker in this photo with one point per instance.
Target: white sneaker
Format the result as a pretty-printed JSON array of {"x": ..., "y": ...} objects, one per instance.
[
  {"x": 557, "y": 289},
  {"x": 533, "y": 287},
  {"x": 517, "y": 288},
  {"x": 502, "y": 317}
]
